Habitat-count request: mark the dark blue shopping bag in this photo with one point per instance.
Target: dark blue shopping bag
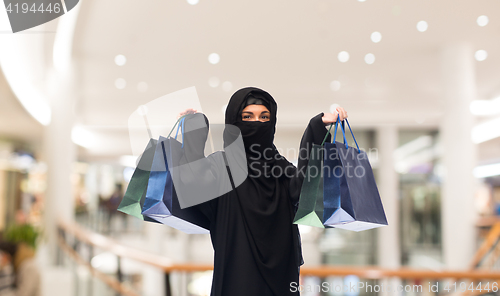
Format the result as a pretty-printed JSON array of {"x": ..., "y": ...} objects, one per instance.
[
  {"x": 350, "y": 195},
  {"x": 161, "y": 202}
]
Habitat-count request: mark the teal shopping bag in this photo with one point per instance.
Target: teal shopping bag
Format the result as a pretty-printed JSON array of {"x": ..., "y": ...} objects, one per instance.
[{"x": 135, "y": 195}]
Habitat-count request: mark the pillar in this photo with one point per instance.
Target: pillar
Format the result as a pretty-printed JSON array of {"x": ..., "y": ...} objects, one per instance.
[
  {"x": 154, "y": 278},
  {"x": 60, "y": 155},
  {"x": 459, "y": 156},
  {"x": 389, "y": 251}
]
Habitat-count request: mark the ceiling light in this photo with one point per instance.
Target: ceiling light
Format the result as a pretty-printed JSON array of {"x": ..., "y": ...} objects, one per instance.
[
  {"x": 193, "y": 2},
  {"x": 376, "y": 37},
  {"x": 370, "y": 58},
  {"x": 120, "y": 83},
  {"x": 486, "y": 131},
  {"x": 489, "y": 170},
  {"x": 481, "y": 55},
  {"x": 422, "y": 26},
  {"x": 485, "y": 107},
  {"x": 213, "y": 58},
  {"x": 333, "y": 108},
  {"x": 335, "y": 85},
  {"x": 482, "y": 20},
  {"x": 120, "y": 60},
  {"x": 213, "y": 81},
  {"x": 343, "y": 56}
]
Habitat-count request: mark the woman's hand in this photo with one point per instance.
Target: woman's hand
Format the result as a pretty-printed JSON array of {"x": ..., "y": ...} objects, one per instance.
[
  {"x": 329, "y": 118},
  {"x": 186, "y": 112}
]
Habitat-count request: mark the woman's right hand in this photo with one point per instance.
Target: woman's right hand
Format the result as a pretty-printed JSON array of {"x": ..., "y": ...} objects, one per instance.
[{"x": 186, "y": 112}]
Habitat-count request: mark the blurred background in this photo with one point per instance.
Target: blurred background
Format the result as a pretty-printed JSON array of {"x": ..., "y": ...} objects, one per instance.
[{"x": 420, "y": 81}]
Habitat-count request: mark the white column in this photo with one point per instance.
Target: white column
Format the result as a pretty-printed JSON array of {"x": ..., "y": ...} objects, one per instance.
[
  {"x": 389, "y": 253},
  {"x": 154, "y": 278},
  {"x": 60, "y": 154},
  {"x": 459, "y": 157}
]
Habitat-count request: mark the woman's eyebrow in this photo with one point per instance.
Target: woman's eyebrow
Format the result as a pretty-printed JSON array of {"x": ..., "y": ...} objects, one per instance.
[
  {"x": 264, "y": 112},
  {"x": 247, "y": 112}
]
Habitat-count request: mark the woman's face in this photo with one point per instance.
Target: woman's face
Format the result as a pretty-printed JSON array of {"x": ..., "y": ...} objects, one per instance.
[{"x": 255, "y": 113}]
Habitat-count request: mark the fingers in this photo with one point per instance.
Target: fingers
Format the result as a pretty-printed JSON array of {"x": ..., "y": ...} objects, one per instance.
[
  {"x": 335, "y": 115},
  {"x": 186, "y": 112},
  {"x": 189, "y": 111},
  {"x": 342, "y": 112}
]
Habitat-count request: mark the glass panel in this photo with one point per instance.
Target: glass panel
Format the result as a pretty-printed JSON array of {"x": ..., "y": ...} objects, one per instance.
[{"x": 417, "y": 161}]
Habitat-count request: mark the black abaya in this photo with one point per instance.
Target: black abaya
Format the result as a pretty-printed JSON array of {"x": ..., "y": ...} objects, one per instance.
[{"x": 256, "y": 244}]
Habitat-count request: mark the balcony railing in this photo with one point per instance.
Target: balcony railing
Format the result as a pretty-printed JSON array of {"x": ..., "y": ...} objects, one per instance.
[{"x": 71, "y": 237}]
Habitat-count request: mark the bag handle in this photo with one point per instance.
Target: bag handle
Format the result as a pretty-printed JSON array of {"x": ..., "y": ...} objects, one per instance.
[
  {"x": 180, "y": 126},
  {"x": 322, "y": 143},
  {"x": 180, "y": 121},
  {"x": 343, "y": 133},
  {"x": 352, "y": 135}
]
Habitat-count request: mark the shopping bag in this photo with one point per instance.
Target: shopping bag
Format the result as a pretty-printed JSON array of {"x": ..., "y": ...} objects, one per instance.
[
  {"x": 310, "y": 210},
  {"x": 135, "y": 195},
  {"x": 351, "y": 197},
  {"x": 196, "y": 178},
  {"x": 154, "y": 207},
  {"x": 161, "y": 199}
]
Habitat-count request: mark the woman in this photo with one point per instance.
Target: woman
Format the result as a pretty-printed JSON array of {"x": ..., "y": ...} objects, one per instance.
[{"x": 257, "y": 246}]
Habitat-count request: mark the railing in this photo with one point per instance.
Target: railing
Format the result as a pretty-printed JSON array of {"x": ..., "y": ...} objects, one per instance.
[{"x": 70, "y": 236}]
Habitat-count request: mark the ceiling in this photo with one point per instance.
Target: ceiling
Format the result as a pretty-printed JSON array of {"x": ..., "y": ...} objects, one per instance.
[
  {"x": 15, "y": 123},
  {"x": 288, "y": 48}
]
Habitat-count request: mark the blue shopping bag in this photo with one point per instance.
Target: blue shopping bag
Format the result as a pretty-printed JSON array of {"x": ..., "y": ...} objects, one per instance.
[
  {"x": 350, "y": 195},
  {"x": 161, "y": 202},
  {"x": 154, "y": 207},
  {"x": 198, "y": 178}
]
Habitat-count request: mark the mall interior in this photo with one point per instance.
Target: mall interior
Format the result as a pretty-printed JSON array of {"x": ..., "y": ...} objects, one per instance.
[{"x": 420, "y": 82}]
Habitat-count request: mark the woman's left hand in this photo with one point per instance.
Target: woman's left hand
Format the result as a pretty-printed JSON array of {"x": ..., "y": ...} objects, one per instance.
[{"x": 329, "y": 118}]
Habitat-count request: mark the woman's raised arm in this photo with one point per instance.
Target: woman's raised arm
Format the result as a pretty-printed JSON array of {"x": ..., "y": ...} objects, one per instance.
[{"x": 314, "y": 134}]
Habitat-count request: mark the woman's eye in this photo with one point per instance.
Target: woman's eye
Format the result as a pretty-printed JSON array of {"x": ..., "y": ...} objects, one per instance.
[
  {"x": 246, "y": 116},
  {"x": 265, "y": 117}
]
